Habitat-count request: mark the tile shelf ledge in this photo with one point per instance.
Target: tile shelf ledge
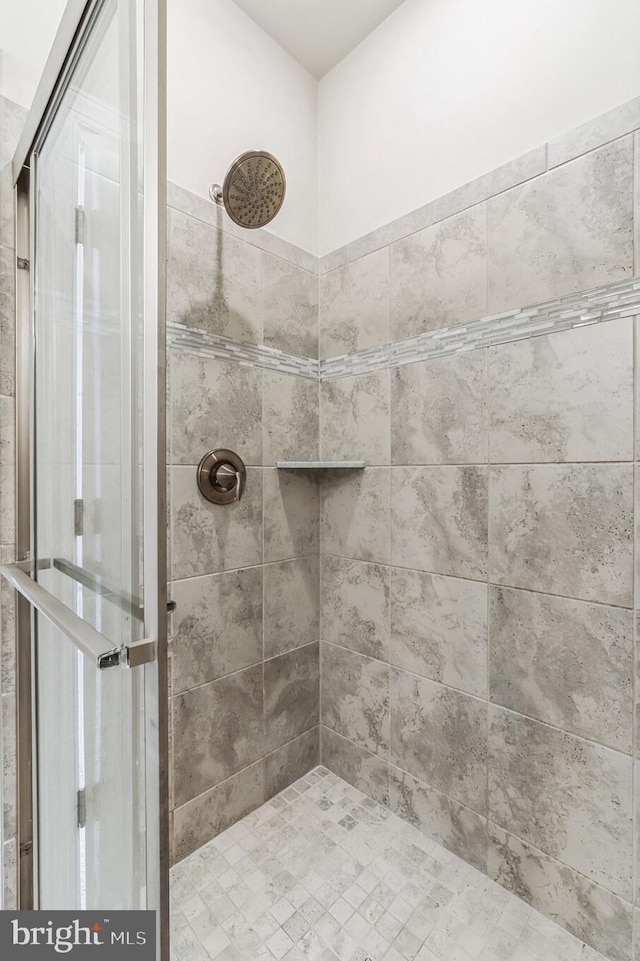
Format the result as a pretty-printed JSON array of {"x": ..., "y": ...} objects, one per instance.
[{"x": 320, "y": 464}]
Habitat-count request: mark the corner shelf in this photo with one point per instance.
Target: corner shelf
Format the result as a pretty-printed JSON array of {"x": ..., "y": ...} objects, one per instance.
[{"x": 320, "y": 464}]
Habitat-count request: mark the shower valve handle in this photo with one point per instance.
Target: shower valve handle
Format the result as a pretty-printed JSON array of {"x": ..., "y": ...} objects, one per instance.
[
  {"x": 229, "y": 478},
  {"x": 221, "y": 476}
]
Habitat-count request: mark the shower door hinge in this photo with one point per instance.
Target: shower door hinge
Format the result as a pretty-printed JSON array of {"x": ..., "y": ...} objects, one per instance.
[
  {"x": 79, "y": 226},
  {"x": 78, "y": 517},
  {"x": 22, "y": 263},
  {"x": 82, "y": 808}
]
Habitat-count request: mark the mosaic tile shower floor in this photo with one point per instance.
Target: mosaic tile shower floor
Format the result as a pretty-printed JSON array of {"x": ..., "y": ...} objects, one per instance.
[{"x": 323, "y": 872}]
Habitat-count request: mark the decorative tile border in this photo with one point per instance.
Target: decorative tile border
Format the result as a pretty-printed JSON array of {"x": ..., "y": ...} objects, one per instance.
[
  {"x": 595, "y": 306},
  {"x": 205, "y": 344},
  {"x": 621, "y": 299}
]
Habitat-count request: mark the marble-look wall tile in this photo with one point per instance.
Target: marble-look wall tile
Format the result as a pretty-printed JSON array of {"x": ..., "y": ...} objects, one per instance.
[
  {"x": 7, "y": 322},
  {"x": 354, "y": 418},
  {"x": 7, "y": 224},
  {"x": 366, "y": 771},
  {"x": 636, "y": 321},
  {"x": 214, "y": 404},
  {"x": 354, "y": 305},
  {"x": 438, "y": 276},
  {"x": 8, "y": 757},
  {"x": 636, "y": 203},
  {"x": 207, "y": 538},
  {"x": 291, "y": 515},
  {"x": 12, "y": 118},
  {"x": 291, "y": 761},
  {"x": 567, "y": 796},
  {"x": 566, "y": 231},
  {"x": 564, "y": 529},
  {"x": 563, "y": 397},
  {"x": 290, "y": 302},
  {"x": 213, "y": 280},
  {"x": 7, "y": 503},
  {"x": 10, "y": 875},
  {"x": 291, "y": 695},
  {"x": 457, "y": 828},
  {"x": 201, "y": 819},
  {"x": 217, "y": 730},
  {"x": 439, "y": 519},
  {"x": 565, "y": 662},
  {"x": 636, "y": 831},
  {"x": 355, "y": 605},
  {"x": 439, "y": 411},
  {"x": 7, "y": 627},
  {"x": 440, "y": 736},
  {"x": 290, "y": 418},
  {"x": 218, "y": 626},
  {"x": 456, "y": 201},
  {"x": 354, "y": 515},
  {"x": 439, "y": 629},
  {"x": 291, "y": 605},
  {"x": 7, "y": 430},
  {"x": 355, "y": 697},
  {"x": 590, "y": 912},
  {"x": 202, "y": 209}
]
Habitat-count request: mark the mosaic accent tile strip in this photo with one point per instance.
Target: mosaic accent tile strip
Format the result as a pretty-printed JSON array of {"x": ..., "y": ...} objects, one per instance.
[
  {"x": 321, "y": 872},
  {"x": 205, "y": 344},
  {"x": 621, "y": 299},
  {"x": 595, "y": 306}
]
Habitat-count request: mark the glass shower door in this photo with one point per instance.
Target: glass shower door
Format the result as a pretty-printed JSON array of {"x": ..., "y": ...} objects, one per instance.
[
  {"x": 94, "y": 573},
  {"x": 88, "y": 475}
]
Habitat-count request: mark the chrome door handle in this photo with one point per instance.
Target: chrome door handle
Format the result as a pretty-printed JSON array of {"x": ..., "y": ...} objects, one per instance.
[
  {"x": 85, "y": 637},
  {"x": 221, "y": 476}
]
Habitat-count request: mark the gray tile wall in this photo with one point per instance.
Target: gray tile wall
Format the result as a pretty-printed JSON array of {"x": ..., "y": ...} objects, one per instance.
[
  {"x": 477, "y": 595},
  {"x": 244, "y": 638},
  {"x": 12, "y": 118},
  {"x": 478, "y": 661}
]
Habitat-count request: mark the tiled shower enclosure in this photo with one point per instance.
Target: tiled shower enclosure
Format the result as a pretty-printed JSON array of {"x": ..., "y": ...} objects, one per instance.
[{"x": 471, "y": 591}]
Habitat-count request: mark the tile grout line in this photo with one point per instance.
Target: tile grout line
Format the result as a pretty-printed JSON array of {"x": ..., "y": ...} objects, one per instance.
[
  {"x": 481, "y": 700},
  {"x": 489, "y": 820}
]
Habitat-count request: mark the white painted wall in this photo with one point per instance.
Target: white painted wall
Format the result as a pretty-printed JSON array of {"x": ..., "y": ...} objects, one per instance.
[
  {"x": 232, "y": 88},
  {"x": 446, "y": 90},
  {"x": 27, "y": 29}
]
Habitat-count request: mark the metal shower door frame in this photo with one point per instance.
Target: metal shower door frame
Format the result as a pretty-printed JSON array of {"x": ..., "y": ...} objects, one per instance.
[{"x": 70, "y": 39}]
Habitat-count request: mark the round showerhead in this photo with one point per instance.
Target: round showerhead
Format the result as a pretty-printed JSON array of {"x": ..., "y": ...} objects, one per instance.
[{"x": 253, "y": 189}]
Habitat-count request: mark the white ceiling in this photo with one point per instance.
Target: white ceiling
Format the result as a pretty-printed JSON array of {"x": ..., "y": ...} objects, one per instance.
[{"x": 318, "y": 33}]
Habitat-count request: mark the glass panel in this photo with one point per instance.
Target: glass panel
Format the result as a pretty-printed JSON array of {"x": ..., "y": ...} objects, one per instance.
[{"x": 88, "y": 477}]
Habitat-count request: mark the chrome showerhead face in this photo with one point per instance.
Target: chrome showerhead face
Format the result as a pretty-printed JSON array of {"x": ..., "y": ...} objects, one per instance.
[{"x": 253, "y": 189}]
